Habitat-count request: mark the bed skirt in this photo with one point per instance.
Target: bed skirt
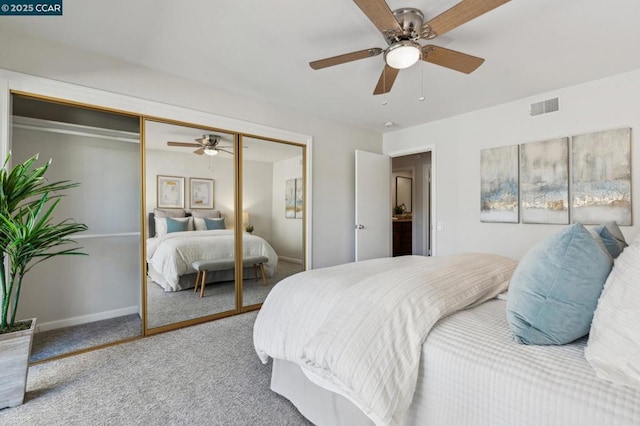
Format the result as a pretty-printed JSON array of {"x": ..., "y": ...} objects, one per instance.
[{"x": 320, "y": 406}]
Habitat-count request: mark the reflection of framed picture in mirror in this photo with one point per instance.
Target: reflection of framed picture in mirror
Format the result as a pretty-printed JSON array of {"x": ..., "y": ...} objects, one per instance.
[
  {"x": 290, "y": 198},
  {"x": 403, "y": 192},
  {"x": 200, "y": 193},
  {"x": 170, "y": 192}
]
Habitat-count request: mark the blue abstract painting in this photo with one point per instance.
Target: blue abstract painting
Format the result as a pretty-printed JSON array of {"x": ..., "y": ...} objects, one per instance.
[
  {"x": 499, "y": 184},
  {"x": 544, "y": 181},
  {"x": 601, "y": 177}
]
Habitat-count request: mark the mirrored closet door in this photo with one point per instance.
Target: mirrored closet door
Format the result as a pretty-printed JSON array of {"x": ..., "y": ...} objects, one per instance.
[
  {"x": 82, "y": 302},
  {"x": 273, "y": 189},
  {"x": 190, "y": 176},
  {"x": 216, "y": 210}
]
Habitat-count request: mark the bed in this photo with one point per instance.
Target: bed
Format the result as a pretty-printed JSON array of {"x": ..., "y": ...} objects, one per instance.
[
  {"x": 459, "y": 364},
  {"x": 170, "y": 255}
]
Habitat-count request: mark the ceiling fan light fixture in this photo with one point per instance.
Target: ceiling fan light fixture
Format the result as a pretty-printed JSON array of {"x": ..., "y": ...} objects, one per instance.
[
  {"x": 402, "y": 54},
  {"x": 210, "y": 151}
]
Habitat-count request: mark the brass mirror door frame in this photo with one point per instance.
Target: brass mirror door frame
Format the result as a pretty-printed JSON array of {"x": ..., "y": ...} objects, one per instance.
[
  {"x": 237, "y": 205},
  {"x": 160, "y": 136},
  {"x": 73, "y": 127},
  {"x": 250, "y": 143},
  {"x": 141, "y": 109}
]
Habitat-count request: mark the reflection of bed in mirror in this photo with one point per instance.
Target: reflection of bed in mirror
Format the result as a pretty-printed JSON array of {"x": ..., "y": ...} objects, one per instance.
[{"x": 170, "y": 255}]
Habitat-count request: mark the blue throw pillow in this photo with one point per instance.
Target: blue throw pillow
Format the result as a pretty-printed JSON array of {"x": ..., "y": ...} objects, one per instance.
[
  {"x": 555, "y": 288},
  {"x": 174, "y": 225},
  {"x": 612, "y": 238},
  {"x": 214, "y": 223}
]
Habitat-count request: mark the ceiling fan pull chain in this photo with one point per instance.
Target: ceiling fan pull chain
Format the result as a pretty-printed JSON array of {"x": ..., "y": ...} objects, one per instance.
[
  {"x": 421, "y": 98},
  {"x": 384, "y": 84}
]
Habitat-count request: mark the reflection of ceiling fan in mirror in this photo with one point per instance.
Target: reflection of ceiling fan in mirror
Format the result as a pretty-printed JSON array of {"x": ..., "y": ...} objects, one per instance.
[
  {"x": 207, "y": 144},
  {"x": 403, "y": 28}
]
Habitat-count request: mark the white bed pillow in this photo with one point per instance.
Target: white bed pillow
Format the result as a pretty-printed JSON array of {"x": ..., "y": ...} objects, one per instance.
[
  {"x": 613, "y": 349},
  {"x": 161, "y": 224},
  {"x": 173, "y": 213},
  {"x": 208, "y": 213}
]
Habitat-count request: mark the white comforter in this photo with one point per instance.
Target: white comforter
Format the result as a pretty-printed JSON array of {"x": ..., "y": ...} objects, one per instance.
[
  {"x": 172, "y": 254},
  {"x": 358, "y": 329}
]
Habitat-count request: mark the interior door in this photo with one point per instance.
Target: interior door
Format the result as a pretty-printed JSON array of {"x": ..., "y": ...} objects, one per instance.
[{"x": 373, "y": 205}]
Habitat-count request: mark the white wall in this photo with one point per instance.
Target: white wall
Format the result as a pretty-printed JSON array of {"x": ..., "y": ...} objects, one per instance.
[
  {"x": 287, "y": 232},
  {"x": 67, "y": 290},
  {"x": 256, "y": 184},
  {"x": 189, "y": 165},
  {"x": 599, "y": 105},
  {"x": 334, "y": 143},
  {"x": 257, "y": 197}
]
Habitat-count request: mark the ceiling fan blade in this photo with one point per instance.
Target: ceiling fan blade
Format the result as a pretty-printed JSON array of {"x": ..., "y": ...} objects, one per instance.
[
  {"x": 187, "y": 144},
  {"x": 386, "y": 80},
  {"x": 224, "y": 150},
  {"x": 461, "y": 13},
  {"x": 379, "y": 13},
  {"x": 199, "y": 151},
  {"x": 347, "y": 57},
  {"x": 452, "y": 59}
]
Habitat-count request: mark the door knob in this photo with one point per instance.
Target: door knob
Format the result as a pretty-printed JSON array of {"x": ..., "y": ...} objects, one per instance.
[{"x": 359, "y": 226}]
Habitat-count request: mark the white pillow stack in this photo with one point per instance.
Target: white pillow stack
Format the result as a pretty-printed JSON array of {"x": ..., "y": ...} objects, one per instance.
[{"x": 613, "y": 349}]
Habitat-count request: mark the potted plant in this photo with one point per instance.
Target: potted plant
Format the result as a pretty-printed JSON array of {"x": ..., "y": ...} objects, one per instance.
[
  {"x": 249, "y": 229},
  {"x": 398, "y": 210},
  {"x": 28, "y": 236}
]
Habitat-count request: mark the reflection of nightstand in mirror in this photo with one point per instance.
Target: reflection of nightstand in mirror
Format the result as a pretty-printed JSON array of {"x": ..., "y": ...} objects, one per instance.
[{"x": 402, "y": 244}]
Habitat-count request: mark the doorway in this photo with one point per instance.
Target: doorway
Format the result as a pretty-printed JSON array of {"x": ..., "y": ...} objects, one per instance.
[{"x": 411, "y": 203}]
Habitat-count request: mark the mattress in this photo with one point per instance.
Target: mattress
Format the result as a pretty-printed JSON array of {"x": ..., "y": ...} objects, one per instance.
[{"x": 473, "y": 374}]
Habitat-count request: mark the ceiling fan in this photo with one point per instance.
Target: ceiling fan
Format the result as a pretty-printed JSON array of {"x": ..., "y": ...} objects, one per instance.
[
  {"x": 207, "y": 144},
  {"x": 403, "y": 28}
]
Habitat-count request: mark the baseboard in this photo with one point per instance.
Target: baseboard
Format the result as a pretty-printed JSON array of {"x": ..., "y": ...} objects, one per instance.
[
  {"x": 291, "y": 259},
  {"x": 84, "y": 319}
]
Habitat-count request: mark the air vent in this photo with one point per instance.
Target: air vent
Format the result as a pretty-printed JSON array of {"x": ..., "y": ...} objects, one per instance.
[{"x": 544, "y": 107}]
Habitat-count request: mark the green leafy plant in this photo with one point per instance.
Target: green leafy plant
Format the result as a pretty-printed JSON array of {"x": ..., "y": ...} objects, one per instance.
[
  {"x": 28, "y": 234},
  {"x": 399, "y": 209},
  {"x": 249, "y": 228}
]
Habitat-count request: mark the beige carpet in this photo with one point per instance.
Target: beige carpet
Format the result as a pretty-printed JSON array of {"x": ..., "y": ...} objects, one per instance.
[{"x": 207, "y": 374}]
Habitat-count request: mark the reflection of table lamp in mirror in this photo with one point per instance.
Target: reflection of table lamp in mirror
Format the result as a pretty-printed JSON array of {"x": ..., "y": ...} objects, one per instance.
[{"x": 245, "y": 221}]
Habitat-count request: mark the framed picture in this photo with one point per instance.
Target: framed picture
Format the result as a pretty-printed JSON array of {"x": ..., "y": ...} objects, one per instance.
[
  {"x": 170, "y": 192},
  {"x": 200, "y": 193},
  {"x": 290, "y": 198},
  {"x": 601, "y": 177},
  {"x": 544, "y": 181},
  {"x": 299, "y": 198},
  {"x": 499, "y": 184}
]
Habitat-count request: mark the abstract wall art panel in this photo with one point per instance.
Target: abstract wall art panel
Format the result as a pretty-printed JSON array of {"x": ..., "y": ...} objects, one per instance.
[
  {"x": 601, "y": 177},
  {"x": 290, "y": 198},
  {"x": 499, "y": 184},
  {"x": 544, "y": 181}
]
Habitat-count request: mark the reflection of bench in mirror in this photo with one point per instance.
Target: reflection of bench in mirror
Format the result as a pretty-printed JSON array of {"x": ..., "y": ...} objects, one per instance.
[{"x": 204, "y": 266}]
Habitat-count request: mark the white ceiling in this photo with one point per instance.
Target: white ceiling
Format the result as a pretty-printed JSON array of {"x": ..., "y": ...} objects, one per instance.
[{"x": 262, "y": 49}]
